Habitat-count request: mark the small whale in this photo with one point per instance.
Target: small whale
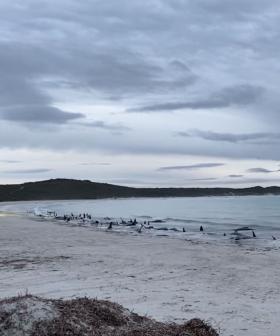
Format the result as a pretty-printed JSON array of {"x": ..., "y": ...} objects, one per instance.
[
  {"x": 149, "y": 227},
  {"x": 174, "y": 229},
  {"x": 139, "y": 230},
  {"x": 243, "y": 228}
]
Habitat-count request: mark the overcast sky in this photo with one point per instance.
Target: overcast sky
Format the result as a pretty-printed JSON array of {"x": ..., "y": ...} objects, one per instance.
[{"x": 140, "y": 93}]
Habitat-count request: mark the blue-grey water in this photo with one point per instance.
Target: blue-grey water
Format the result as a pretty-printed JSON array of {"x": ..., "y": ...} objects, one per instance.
[{"x": 217, "y": 215}]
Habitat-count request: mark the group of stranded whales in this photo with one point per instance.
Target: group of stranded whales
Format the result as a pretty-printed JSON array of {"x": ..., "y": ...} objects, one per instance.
[
  {"x": 107, "y": 221},
  {"x": 239, "y": 235},
  {"x": 85, "y": 218}
]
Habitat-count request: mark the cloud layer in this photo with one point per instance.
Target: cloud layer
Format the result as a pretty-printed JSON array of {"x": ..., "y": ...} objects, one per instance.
[
  {"x": 192, "y": 167},
  {"x": 239, "y": 95},
  {"x": 164, "y": 80}
]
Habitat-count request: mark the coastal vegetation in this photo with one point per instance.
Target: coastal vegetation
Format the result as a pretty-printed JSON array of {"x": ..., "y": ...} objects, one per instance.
[
  {"x": 58, "y": 189},
  {"x": 34, "y": 316}
]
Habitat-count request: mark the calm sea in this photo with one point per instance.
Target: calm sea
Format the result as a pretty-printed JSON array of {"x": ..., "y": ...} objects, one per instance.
[{"x": 217, "y": 215}]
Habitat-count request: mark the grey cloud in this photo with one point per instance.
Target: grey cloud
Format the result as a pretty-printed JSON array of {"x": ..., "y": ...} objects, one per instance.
[
  {"x": 82, "y": 139},
  {"x": 27, "y": 171},
  {"x": 22, "y": 98},
  {"x": 250, "y": 182},
  {"x": 261, "y": 170},
  {"x": 235, "y": 175},
  {"x": 205, "y": 179},
  {"x": 192, "y": 167},
  {"x": 126, "y": 78},
  {"x": 137, "y": 53},
  {"x": 38, "y": 114},
  {"x": 118, "y": 73},
  {"x": 114, "y": 71},
  {"x": 10, "y": 161},
  {"x": 233, "y": 10},
  {"x": 12, "y": 136},
  {"x": 119, "y": 60},
  {"x": 179, "y": 66},
  {"x": 95, "y": 164},
  {"x": 17, "y": 91},
  {"x": 239, "y": 95},
  {"x": 230, "y": 137},
  {"x": 105, "y": 126}
]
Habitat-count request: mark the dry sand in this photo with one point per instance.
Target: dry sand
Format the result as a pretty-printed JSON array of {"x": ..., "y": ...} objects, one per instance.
[{"x": 235, "y": 288}]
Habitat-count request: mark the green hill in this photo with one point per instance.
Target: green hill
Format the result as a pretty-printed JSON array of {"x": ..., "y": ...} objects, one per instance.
[{"x": 84, "y": 189}]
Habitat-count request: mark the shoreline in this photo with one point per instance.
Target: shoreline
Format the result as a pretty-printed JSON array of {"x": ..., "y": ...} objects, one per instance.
[
  {"x": 235, "y": 289},
  {"x": 135, "y": 198},
  {"x": 199, "y": 229}
]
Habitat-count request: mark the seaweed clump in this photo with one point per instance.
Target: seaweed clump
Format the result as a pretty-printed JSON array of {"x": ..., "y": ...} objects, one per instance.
[{"x": 34, "y": 316}]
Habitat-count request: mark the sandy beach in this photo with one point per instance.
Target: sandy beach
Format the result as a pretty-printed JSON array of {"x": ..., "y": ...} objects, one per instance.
[{"x": 235, "y": 288}]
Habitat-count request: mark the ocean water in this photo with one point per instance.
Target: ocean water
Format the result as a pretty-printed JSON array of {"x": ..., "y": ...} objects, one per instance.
[{"x": 217, "y": 215}]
